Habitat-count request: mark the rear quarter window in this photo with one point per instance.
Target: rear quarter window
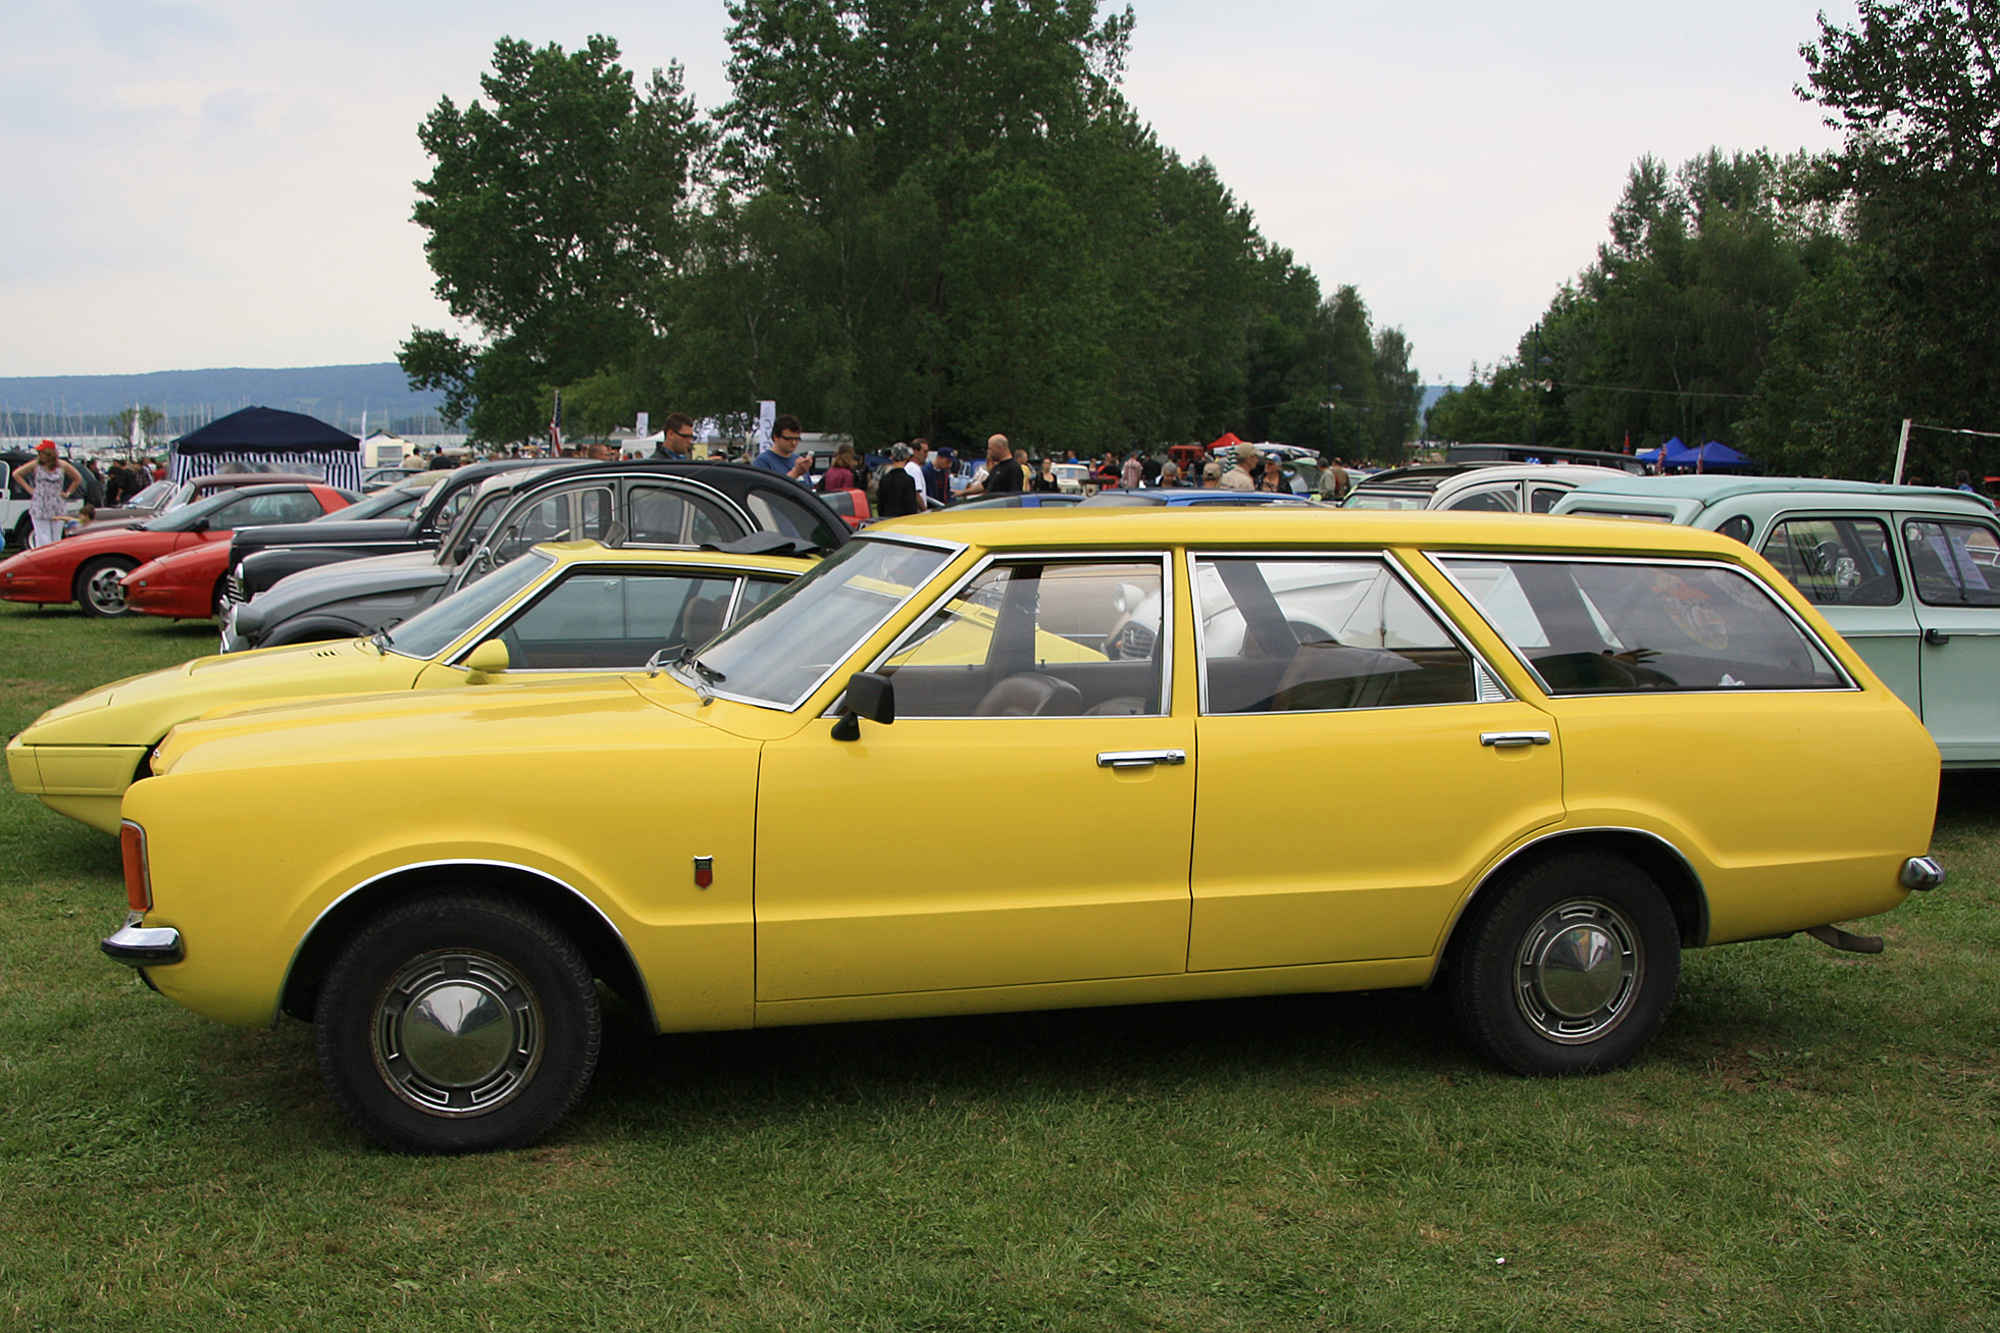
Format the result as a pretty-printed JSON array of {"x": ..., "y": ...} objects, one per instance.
[{"x": 1613, "y": 626}]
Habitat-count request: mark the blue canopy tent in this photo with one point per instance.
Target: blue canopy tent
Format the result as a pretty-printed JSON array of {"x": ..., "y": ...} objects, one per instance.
[
  {"x": 265, "y": 439},
  {"x": 1671, "y": 454},
  {"x": 1716, "y": 456}
]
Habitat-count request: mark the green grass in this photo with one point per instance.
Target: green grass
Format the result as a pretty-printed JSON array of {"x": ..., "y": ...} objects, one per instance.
[{"x": 1813, "y": 1143}]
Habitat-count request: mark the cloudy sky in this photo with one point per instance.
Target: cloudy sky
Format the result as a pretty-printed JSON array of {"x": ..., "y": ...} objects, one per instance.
[{"x": 199, "y": 183}]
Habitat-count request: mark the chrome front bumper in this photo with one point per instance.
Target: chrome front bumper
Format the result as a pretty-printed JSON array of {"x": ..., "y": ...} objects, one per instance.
[{"x": 143, "y": 946}]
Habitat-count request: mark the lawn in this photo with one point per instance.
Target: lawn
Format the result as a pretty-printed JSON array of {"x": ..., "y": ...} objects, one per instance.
[{"x": 1813, "y": 1142}]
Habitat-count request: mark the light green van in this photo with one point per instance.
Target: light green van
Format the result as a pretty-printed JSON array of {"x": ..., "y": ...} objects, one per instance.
[{"x": 1910, "y": 575}]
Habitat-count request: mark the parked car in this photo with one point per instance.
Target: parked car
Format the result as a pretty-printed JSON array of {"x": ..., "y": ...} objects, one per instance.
[
  {"x": 637, "y": 504},
  {"x": 163, "y": 496},
  {"x": 1615, "y": 716},
  {"x": 259, "y": 558},
  {"x": 193, "y": 583},
  {"x": 577, "y": 607},
  {"x": 90, "y": 567},
  {"x": 1910, "y": 575},
  {"x": 1502, "y": 488},
  {"x": 851, "y": 505}
]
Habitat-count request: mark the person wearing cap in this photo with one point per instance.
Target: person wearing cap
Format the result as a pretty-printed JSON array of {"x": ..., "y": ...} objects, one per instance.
[
  {"x": 1211, "y": 476},
  {"x": 896, "y": 492},
  {"x": 1239, "y": 477},
  {"x": 937, "y": 476},
  {"x": 50, "y": 482}
]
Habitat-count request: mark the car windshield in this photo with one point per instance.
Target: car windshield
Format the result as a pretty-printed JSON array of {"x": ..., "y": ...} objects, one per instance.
[
  {"x": 781, "y": 652},
  {"x": 439, "y": 625},
  {"x": 395, "y": 502},
  {"x": 152, "y": 497}
]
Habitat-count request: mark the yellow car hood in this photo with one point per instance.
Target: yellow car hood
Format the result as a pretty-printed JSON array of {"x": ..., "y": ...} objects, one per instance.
[
  {"x": 140, "y": 709},
  {"x": 556, "y": 717}
]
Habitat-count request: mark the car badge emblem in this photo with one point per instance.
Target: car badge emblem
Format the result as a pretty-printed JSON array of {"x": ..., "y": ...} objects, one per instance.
[{"x": 704, "y": 871}]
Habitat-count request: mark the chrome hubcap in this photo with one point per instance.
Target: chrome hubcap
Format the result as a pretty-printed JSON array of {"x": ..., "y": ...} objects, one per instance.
[
  {"x": 457, "y": 1033},
  {"x": 1577, "y": 971},
  {"x": 106, "y": 590}
]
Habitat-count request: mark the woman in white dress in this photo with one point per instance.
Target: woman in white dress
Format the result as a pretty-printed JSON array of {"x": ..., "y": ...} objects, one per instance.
[{"x": 49, "y": 482}]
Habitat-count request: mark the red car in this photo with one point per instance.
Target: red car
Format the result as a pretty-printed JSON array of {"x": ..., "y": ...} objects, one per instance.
[{"x": 89, "y": 568}]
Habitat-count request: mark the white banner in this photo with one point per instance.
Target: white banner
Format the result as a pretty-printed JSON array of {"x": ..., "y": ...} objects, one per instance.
[{"x": 767, "y": 412}]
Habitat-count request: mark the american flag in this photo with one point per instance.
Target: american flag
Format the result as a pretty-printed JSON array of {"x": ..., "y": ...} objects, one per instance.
[{"x": 555, "y": 425}]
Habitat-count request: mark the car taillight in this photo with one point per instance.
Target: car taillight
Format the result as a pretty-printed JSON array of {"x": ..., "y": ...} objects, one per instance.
[{"x": 138, "y": 879}]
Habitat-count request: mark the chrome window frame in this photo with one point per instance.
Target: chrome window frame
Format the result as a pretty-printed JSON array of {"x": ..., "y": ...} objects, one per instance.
[
  {"x": 1488, "y": 685},
  {"x": 1848, "y": 683},
  {"x": 1165, "y": 559},
  {"x": 953, "y": 550}
]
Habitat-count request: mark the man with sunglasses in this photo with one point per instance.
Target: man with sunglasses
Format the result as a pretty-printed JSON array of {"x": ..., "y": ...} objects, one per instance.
[
  {"x": 677, "y": 438},
  {"x": 780, "y": 457}
]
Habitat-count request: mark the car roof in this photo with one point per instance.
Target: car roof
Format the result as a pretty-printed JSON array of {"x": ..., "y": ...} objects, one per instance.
[
  {"x": 1305, "y": 525},
  {"x": 1183, "y": 497},
  {"x": 216, "y": 481},
  {"x": 1713, "y": 489}
]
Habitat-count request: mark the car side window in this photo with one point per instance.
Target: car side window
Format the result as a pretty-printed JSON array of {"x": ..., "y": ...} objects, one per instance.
[
  {"x": 1954, "y": 564},
  {"x": 1041, "y": 639},
  {"x": 1836, "y": 561},
  {"x": 776, "y": 512},
  {"x": 564, "y": 516},
  {"x": 663, "y": 516},
  {"x": 1541, "y": 499},
  {"x": 1490, "y": 499},
  {"x": 594, "y": 620},
  {"x": 1283, "y": 636},
  {"x": 1616, "y": 626}
]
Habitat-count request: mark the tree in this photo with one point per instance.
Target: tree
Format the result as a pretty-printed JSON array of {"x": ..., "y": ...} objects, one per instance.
[
  {"x": 552, "y": 214},
  {"x": 150, "y": 422},
  {"x": 1902, "y": 329}
]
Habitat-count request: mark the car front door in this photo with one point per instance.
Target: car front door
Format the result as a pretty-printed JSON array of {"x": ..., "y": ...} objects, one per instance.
[
  {"x": 1955, "y": 566},
  {"x": 1033, "y": 697},
  {"x": 1845, "y": 564},
  {"x": 1330, "y": 688}
]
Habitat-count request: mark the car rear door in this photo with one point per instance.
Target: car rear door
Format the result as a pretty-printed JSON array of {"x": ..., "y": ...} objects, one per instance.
[
  {"x": 1360, "y": 764},
  {"x": 1845, "y": 564}
]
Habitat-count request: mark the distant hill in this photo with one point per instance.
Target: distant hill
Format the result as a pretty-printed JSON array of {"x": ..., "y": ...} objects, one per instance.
[{"x": 78, "y": 404}]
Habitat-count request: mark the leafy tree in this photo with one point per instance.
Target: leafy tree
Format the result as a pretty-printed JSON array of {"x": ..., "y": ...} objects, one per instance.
[
  {"x": 1902, "y": 327},
  {"x": 551, "y": 215},
  {"x": 150, "y": 422}
]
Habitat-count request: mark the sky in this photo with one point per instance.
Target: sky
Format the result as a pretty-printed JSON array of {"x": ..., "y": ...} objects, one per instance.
[{"x": 203, "y": 183}]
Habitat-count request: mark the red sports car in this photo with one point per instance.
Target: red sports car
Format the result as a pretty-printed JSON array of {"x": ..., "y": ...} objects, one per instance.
[{"x": 89, "y": 568}]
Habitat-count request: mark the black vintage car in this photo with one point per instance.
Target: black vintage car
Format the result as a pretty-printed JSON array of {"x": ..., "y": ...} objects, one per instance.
[
  {"x": 621, "y": 504},
  {"x": 259, "y": 557}
]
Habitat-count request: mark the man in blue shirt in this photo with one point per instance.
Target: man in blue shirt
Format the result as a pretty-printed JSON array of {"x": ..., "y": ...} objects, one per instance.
[{"x": 779, "y": 458}]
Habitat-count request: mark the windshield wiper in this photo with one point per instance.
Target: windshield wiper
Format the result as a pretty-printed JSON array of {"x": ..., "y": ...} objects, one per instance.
[{"x": 380, "y": 638}]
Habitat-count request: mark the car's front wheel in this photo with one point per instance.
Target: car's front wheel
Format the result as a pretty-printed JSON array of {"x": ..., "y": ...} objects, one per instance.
[
  {"x": 1569, "y": 969},
  {"x": 100, "y": 585},
  {"x": 458, "y": 1022}
]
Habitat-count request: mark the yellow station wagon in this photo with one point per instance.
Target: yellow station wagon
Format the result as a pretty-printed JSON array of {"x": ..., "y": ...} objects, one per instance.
[{"x": 1554, "y": 754}]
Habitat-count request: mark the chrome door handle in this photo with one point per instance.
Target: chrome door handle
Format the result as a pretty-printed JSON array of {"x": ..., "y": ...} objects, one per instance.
[
  {"x": 1139, "y": 758},
  {"x": 1507, "y": 740}
]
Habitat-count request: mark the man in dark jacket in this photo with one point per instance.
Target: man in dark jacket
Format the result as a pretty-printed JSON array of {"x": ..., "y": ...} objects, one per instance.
[{"x": 896, "y": 492}]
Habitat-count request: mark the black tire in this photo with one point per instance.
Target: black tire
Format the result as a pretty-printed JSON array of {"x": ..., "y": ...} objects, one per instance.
[
  {"x": 97, "y": 587},
  {"x": 1569, "y": 969},
  {"x": 399, "y": 1054}
]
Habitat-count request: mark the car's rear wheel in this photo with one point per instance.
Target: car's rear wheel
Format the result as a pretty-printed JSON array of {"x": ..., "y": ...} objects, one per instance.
[
  {"x": 1570, "y": 968},
  {"x": 100, "y": 587},
  {"x": 457, "y": 1023}
]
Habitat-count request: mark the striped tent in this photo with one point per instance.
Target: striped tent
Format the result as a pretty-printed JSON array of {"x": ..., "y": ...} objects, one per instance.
[{"x": 265, "y": 439}]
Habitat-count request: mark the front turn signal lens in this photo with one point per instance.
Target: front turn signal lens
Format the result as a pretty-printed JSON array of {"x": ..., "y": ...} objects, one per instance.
[{"x": 138, "y": 876}]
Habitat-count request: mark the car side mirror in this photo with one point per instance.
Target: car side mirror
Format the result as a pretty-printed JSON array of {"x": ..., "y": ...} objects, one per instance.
[
  {"x": 868, "y": 695},
  {"x": 488, "y": 659},
  {"x": 199, "y": 525}
]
